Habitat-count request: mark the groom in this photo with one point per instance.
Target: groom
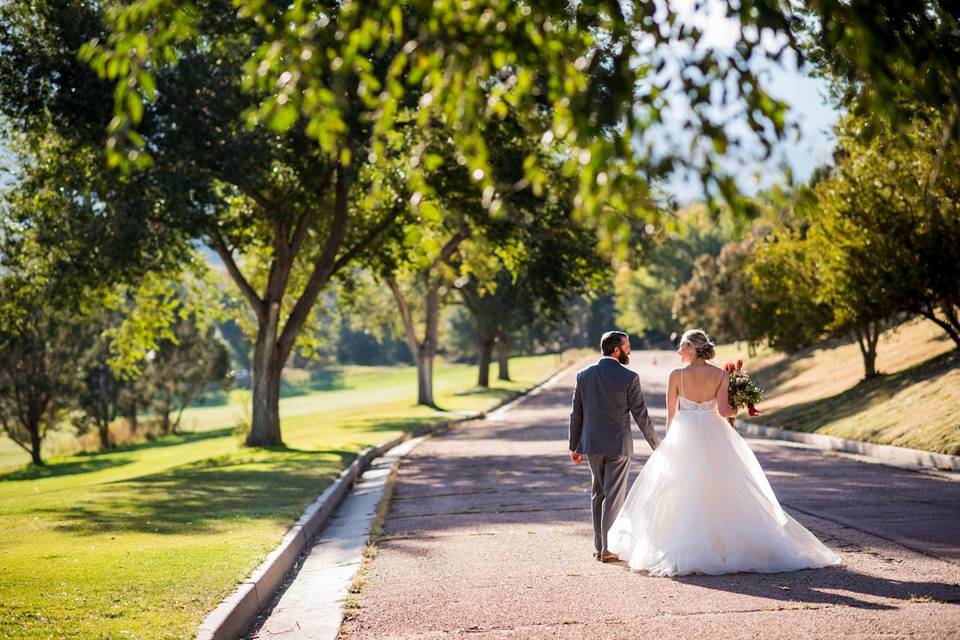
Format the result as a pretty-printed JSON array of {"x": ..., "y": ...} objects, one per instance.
[{"x": 606, "y": 394}]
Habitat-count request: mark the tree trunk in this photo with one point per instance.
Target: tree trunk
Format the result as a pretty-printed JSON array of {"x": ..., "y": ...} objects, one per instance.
[
  {"x": 131, "y": 417},
  {"x": 267, "y": 367},
  {"x": 425, "y": 379},
  {"x": 870, "y": 364},
  {"x": 180, "y": 410},
  {"x": 103, "y": 428},
  {"x": 273, "y": 346},
  {"x": 485, "y": 347},
  {"x": 949, "y": 323},
  {"x": 35, "y": 442},
  {"x": 867, "y": 338},
  {"x": 429, "y": 347},
  {"x": 425, "y": 350},
  {"x": 165, "y": 420},
  {"x": 503, "y": 357}
]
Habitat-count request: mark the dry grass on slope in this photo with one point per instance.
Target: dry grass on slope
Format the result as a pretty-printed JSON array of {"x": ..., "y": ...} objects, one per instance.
[{"x": 916, "y": 403}]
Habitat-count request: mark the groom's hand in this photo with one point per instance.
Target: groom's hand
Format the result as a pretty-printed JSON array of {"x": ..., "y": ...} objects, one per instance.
[{"x": 576, "y": 457}]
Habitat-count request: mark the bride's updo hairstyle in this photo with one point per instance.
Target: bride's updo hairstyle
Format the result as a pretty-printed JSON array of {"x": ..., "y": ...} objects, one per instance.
[{"x": 703, "y": 347}]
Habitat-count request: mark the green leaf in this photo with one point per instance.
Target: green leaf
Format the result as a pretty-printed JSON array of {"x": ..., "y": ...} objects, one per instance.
[
  {"x": 134, "y": 107},
  {"x": 147, "y": 84},
  {"x": 396, "y": 16},
  {"x": 283, "y": 118}
]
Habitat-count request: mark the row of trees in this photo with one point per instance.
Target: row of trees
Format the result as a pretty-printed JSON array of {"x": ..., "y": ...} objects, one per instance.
[
  {"x": 58, "y": 366},
  {"x": 875, "y": 238},
  {"x": 423, "y": 143}
]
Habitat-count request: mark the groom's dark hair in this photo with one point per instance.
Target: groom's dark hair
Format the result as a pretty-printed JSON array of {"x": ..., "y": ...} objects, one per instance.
[{"x": 611, "y": 340}]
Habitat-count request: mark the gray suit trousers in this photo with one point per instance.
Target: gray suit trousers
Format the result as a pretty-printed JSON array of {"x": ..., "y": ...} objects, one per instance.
[{"x": 610, "y": 475}]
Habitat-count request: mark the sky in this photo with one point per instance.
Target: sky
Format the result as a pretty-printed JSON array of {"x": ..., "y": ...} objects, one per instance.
[{"x": 806, "y": 95}]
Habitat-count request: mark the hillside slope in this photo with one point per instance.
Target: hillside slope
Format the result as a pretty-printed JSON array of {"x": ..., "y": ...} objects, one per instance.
[{"x": 915, "y": 403}]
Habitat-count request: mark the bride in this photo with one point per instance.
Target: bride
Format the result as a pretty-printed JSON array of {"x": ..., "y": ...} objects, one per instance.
[{"x": 702, "y": 504}]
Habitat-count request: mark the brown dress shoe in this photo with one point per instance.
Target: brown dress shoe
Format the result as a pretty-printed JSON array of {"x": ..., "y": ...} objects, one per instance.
[{"x": 609, "y": 557}]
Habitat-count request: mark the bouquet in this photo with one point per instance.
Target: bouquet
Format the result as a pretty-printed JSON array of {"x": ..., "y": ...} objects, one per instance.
[{"x": 743, "y": 392}]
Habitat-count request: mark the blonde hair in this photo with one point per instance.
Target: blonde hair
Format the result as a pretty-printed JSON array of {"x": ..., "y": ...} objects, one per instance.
[{"x": 703, "y": 347}]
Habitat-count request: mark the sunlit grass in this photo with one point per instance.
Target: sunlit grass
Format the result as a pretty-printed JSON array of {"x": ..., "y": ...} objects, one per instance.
[
  {"x": 143, "y": 542},
  {"x": 916, "y": 403}
]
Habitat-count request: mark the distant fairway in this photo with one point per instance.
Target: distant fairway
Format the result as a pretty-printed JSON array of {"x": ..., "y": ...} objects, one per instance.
[{"x": 144, "y": 541}]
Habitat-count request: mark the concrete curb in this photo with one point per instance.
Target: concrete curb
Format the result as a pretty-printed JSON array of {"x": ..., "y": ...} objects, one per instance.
[
  {"x": 239, "y": 610},
  {"x": 883, "y": 453}
]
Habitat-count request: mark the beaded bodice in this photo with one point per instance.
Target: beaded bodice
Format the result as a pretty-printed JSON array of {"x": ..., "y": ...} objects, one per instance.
[{"x": 689, "y": 405}]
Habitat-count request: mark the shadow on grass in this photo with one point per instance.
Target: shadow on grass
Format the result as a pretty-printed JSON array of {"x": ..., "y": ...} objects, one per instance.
[
  {"x": 261, "y": 484},
  {"x": 69, "y": 468},
  {"x": 494, "y": 393},
  {"x": 89, "y": 461},
  {"x": 274, "y": 483},
  {"x": 810, "y": 416}
]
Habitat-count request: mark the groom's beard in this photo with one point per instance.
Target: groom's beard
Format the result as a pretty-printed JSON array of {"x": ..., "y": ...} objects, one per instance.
[{"x": 623, "y": 358}]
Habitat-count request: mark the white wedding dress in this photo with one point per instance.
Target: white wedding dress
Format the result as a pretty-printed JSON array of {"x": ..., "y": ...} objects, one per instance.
[{"x": 702, "y": 504}]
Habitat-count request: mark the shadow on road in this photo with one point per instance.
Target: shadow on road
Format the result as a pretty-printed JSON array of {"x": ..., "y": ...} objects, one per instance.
[{"x": 824, "y": 586}]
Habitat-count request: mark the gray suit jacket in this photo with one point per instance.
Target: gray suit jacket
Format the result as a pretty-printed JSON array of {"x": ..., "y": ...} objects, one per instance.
[{"x": 605, "y": 396}]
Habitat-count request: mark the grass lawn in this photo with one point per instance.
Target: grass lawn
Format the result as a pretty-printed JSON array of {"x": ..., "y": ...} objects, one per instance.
[
  {"x": 916, "y": 403},
  {"x": 142, "y": 542}
]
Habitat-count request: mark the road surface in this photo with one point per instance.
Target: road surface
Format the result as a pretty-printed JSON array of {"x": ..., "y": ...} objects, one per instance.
[{"x": 488, "y": 536}]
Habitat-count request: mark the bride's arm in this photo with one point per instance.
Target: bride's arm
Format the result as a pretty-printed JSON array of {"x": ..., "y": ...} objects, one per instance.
[
  {"x": 723, "y": 399},
  {"x": 673, "y": 397}
]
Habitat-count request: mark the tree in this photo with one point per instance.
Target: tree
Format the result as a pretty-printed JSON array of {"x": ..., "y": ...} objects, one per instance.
[
  {"x": 245, "y": 124},
  {"x": 719, "y": 295},
  {"x": 184, "y": 367},
  {"x": 909, "y": 78},
  {"x": 36, "y": 376},
  {"x": 552, "y": 258},
  {"x": 911, "y": 67},
  {"x": 494, "y": 307},
  {"x": 280, "y": 201},
  {"x": 665, "y": 260},
  {"x": 41, "y": 340},
  {"x": 424, "y": 349},
  {"x": 888, "y": 239},
  {"x": 100, "y": 389},
  {"x": 786, "y": 306}
]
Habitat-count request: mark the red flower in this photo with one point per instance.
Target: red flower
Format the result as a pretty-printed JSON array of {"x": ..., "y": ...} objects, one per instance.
[
  {"x": 752, "y": 410},
  {"x": 729, "y": 368},
  {"x": 739, "y": 364}
]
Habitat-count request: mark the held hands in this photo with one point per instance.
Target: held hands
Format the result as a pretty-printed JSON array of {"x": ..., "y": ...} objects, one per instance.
[{"x": 576, "y": 457}]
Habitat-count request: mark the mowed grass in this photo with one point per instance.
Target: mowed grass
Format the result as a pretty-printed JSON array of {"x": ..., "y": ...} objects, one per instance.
[
  {"x": 915, "y": 403},
  {"x": 143, "y": 542}
]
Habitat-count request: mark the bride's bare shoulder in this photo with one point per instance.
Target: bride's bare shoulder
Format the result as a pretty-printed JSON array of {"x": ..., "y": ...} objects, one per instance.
[{"x": 718, "y": 371}]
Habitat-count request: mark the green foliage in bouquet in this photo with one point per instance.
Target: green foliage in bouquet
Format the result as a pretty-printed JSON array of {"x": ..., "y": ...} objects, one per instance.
[{"x": 743, "y": 391}]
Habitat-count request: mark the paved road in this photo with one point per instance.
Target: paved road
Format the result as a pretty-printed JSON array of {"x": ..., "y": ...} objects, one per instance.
[{"x": 489, "y": 535}]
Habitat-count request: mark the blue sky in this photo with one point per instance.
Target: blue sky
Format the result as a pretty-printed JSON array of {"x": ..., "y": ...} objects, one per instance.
[{"x": 810, "y": 110}]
